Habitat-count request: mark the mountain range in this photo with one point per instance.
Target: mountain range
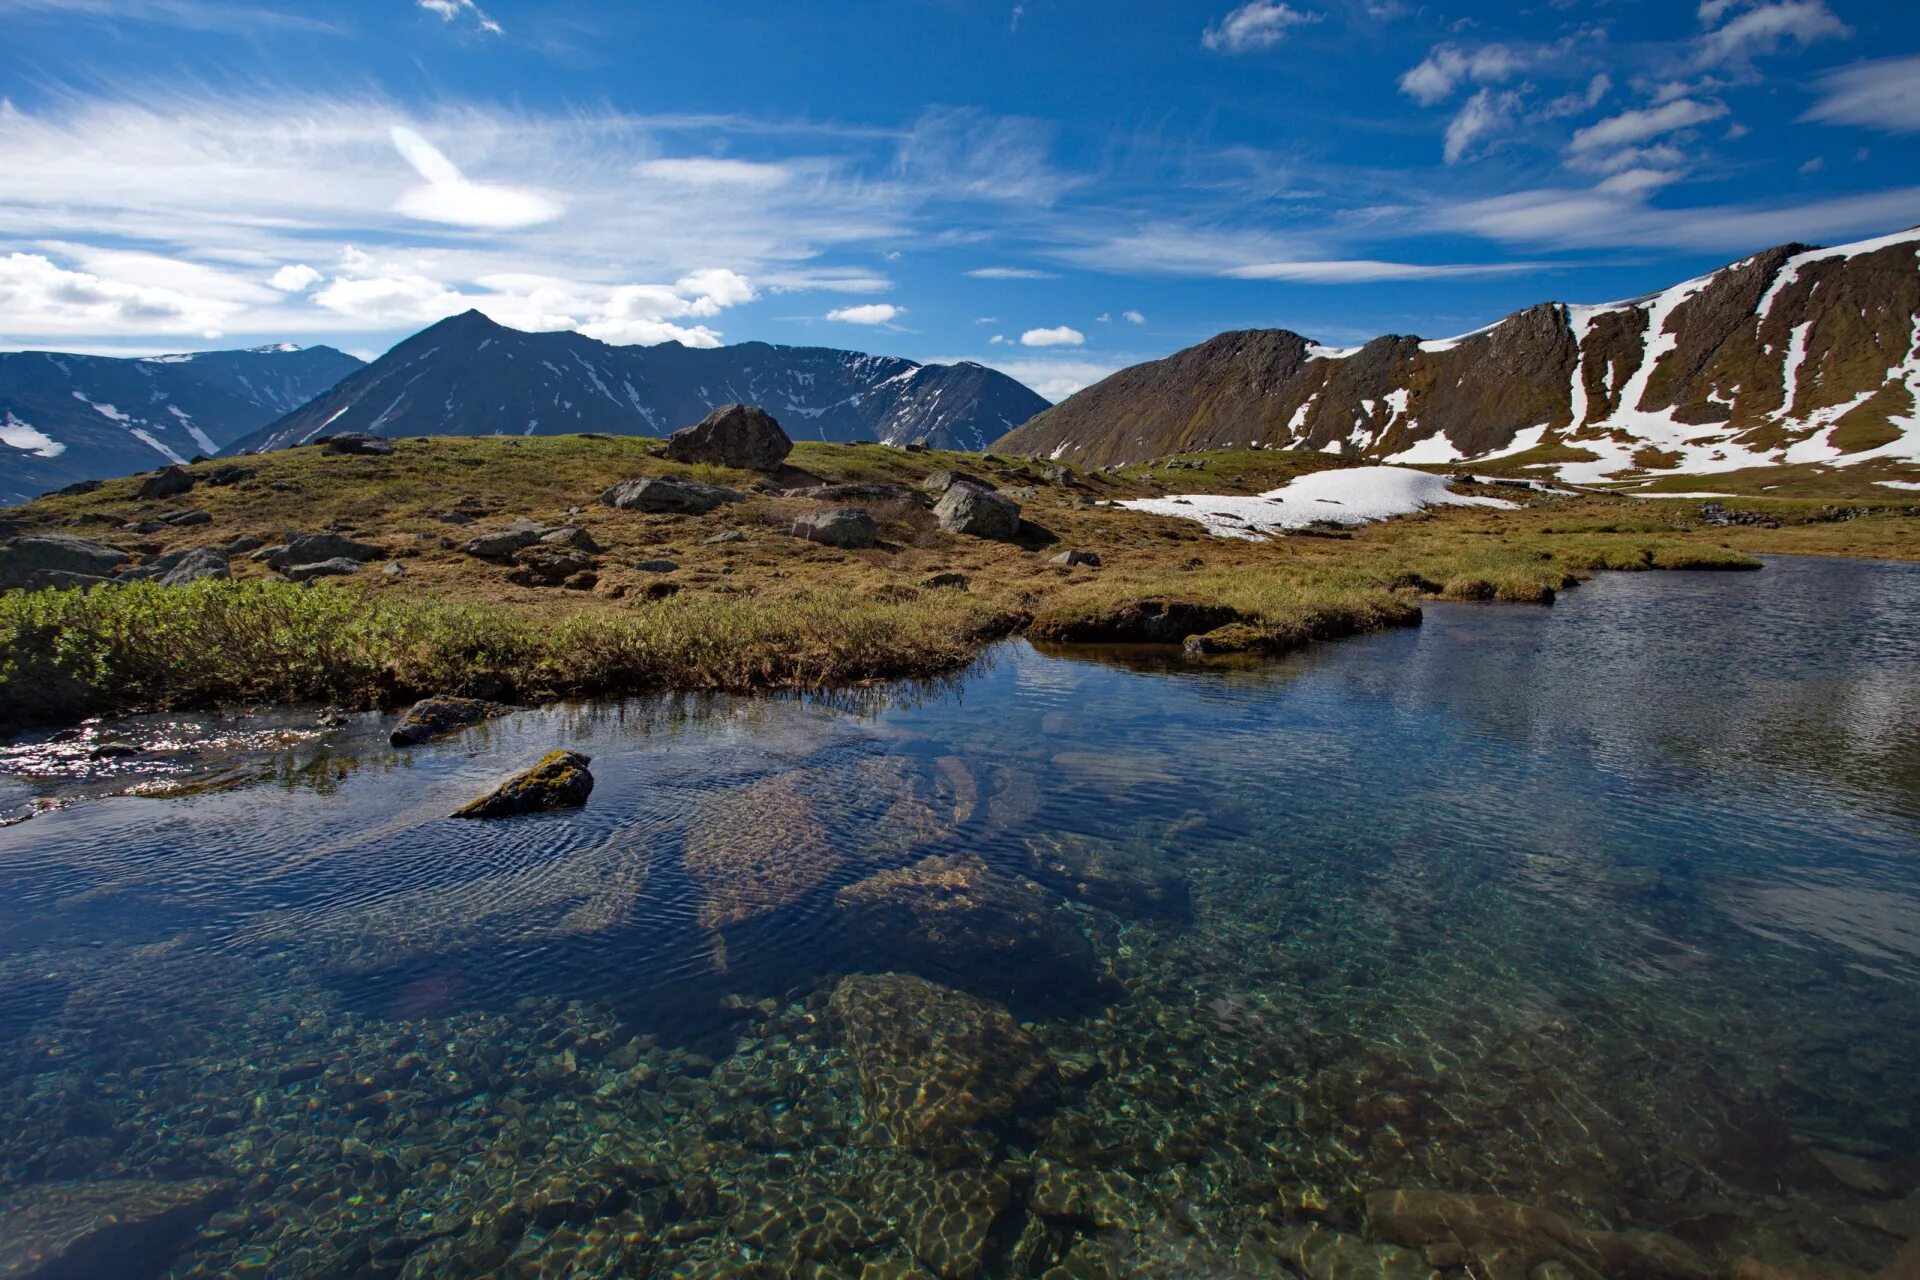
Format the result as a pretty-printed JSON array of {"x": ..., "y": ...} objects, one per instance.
[
  {"x": 66, "y": 418},
  {"x": 467, "y": 375},
  {"x": 1798, "y": 354}
]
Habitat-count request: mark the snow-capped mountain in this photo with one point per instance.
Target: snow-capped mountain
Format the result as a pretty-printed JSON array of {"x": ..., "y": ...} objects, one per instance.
[
  {"x": 1794, "y": 355},
  {"x": 470, "y": 376},
  {"x": 65, "y": 418}
]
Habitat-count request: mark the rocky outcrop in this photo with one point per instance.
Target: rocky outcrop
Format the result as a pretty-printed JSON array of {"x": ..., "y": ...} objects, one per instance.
[
  {"x": 313, "y": 548},
  {"x": 357, "y": 444},
  {"x": 196, "y": 566},
  {"x": 939, "y": 1069},
  {"x": 559, "y": 781},
  {"x": 34, "y": 560},
  {"x": 432, "y": 717},
  {"x": 978, "y": 513},
  {"x": 663, "y": 495},
  {"x": 1794, "y": 354},
  {"x": 734, "y": 435},
  {"x": 168, "y": 482},
  {"x": 847, "y": 527}
]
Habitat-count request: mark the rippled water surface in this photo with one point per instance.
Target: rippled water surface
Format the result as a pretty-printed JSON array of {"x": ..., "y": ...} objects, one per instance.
[{"x": 1087, "y": 963}]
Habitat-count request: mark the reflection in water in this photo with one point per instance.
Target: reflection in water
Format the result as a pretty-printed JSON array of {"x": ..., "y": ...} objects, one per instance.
[{"x": 1534, "y": 943}]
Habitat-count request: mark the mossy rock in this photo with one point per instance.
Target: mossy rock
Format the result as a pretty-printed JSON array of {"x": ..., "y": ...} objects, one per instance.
[
  {"x": 1235, "y": 637},
  {"x": 559, "y": 781}
]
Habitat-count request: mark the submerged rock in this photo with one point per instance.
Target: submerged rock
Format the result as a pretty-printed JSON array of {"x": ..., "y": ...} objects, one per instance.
[
  {"x": 757, "y": 848},
  {"x": 958, "y": 915},
  {"x": 978, "y": 513},
  {"x": 939, "y": 1068},
  {"x": 734, "y": 435},
  {"x": 661, "y": 495},
  {"x": 559, "y": 781},
  {"x": 126, "y": 1228},
  {"x": 952, "y": 1218},
  {"x": 1127, "y": 879},
  {"x": 431, "y": 717},
  {"x": 1335, "y": 1255},
  {"x": 1486, "y": 1226}
]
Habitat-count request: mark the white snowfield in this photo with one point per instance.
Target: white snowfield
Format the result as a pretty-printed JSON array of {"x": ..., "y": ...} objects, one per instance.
[{"x": 1356, "y": 495}]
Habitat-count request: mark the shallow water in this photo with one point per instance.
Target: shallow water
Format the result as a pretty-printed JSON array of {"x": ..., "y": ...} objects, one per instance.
[{"x": 1612, "y": 907}]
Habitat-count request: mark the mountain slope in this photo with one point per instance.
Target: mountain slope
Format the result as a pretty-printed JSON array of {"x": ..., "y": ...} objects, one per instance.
[
  {"x": 469, "y": 376},
  {"x": 65, "y": 418},
  {"x": 1794, "y": 355}
]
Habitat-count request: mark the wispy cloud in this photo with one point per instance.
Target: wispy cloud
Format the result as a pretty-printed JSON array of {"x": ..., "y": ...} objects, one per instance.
[
  {"x": 1755, "y": 29},
  {"x": 1011, "y": 273},
  {"x": 1258, "y": 24},
  {"x": 1883, "y": 95},
  {"x": 189, "y": 15},
  {"x": 466, "y": 11},
  {"x": 450, "y": 197},
  {"x": 1367, "y": 271}
]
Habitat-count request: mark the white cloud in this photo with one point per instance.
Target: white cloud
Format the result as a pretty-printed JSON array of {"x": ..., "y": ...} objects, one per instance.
[
  {"x": 1258, "y": 24},
  {"x": 1642, "y": 125},
  {"x": 1447, "y": 66},
  {"x": 1054, "y": 379},
  {"x": 450, "y": 197},
  {"x": 1883, "y": 94},
  {"x": 449, "y": 10},
  {"x": 38, "y": 296},
  {"x": 708, "y": 171},
  {"x": 867, "y": 313},
  {"x": 1764, "y": 28},
  {"x": 1010, "y": 273},
  {"x": 1058, "y": 336},
  {"x": 1133, "y": 317},
  {"x": 1485, "y": 115},
  {"x": 295, "y": 277},
  {"x": 1367, "y": 271}
]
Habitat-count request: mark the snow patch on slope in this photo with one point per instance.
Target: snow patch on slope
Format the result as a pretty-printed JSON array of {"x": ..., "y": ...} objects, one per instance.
[
  {"x": 1353, "y": 496},
  {"x": 17, "y": 433}
]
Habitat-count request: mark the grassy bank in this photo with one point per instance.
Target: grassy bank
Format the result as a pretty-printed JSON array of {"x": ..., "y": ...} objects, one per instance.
[{"x": 754, "y": 606}]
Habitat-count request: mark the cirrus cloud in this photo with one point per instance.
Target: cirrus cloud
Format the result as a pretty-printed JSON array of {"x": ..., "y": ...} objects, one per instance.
[{"x": 1258, "y": 24}]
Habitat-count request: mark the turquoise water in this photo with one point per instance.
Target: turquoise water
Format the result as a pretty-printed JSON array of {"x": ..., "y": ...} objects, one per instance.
[{"x": 1084, "y": 963}]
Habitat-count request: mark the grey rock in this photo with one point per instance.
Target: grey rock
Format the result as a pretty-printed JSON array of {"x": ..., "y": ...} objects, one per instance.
[
  {"x": 941, "y": 481},
  {"x": 243, "y": 544},
  {"x": 847, "y": 527},
  {"x": 661, "y": 495},
  {"x": 24, "y": 560},
  {"x": 204, "y": 562},
  {"x": 505, "y": 544},
  {"x": 571, "y": 535},
  {"x": 978, "y": 513},
  {"x": 312, "y": 548},
  {"x": 1071, "y": 558},
  {"x": 431, "y": 717},
  {"x": 338, "y": 567},
  {"x": 731, "y": 535},
  {"x": 549, "y": 566},
  {"x": 221, "y": 477},
  {"x": 656, "y": 566},
  {"x": 394, "y": 571},
  {"x": 734, "y": 435},
  {"x": 356, "y": 442},
  {"x": 946, "y": 581},
  {"x": 1057, "y": 475},
  {"x": 186, "y": 519},
  {"x": 266, "y": 555},
  {"x": 168, "y": 482},
  {"x": 856, "y": 493}
]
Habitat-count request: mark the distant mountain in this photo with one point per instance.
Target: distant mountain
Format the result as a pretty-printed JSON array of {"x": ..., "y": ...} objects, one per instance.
[
  {"x": 1794, "y": 355},
  {"x": 65, "y": 418},
  {"x": 469, "y": 376}
]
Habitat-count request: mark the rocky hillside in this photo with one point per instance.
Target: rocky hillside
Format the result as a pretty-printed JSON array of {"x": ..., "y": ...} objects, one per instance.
[
  {"x": 67, "y": 418},
  {"x": 469, "y": 376},
  {"x": 1794, "y": 355}
]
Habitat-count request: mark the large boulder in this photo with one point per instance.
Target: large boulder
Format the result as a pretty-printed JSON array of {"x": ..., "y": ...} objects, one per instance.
[
  {"x": 550, "y": 566},
  {"x": 559, "y": 781},
  {"x": 505, "y": 544},
  {"x": 978, "y": 513},
  {"x": 941, "y": 481},
  {"x": 847, "y": 527},
  {"x": 27, "y": 562},
  {"x": 431, "y": 717},
  {"x": 168, "y": 482},
  {"x": 662, "y": 495},
  {"x": 202, "y": 562},
  {"x": 312, "y": 548},
  {"x": 734, "y": 435},
  {"x": 939, "y": 1069}
]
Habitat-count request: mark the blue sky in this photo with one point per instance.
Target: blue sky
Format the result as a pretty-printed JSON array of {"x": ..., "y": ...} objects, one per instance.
[{"x": 1055, "y": 188}]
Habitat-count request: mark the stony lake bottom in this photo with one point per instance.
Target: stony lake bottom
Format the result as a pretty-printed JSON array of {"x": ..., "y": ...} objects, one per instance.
[{"x": 1079, "y": 964}]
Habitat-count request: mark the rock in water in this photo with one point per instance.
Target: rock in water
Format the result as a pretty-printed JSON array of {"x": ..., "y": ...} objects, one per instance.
[
  {"x": 431, "y": 717},
  {"x": 664, "y": 496},
  {"x": 205, "y": 562},
  {"x": 1334, "y": 1255},
  {"x": 757, "y": 848},
  {"x": 127, "y": 1228},
  {"x": 559, "y": 781},
  {"x": 846, "y": 527},
  {"x": 168, "y": 482},
  {"x": 24, "y": 561},
  {"x": 978, "y": 513},
  {"x": 938, "y": 1067},
  {"x": 734, "y": 435}
]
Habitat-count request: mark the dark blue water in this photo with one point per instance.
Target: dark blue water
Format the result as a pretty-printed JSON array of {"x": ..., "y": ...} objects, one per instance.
[{"x": 1090, "y": 961}]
